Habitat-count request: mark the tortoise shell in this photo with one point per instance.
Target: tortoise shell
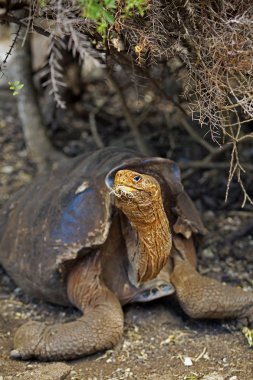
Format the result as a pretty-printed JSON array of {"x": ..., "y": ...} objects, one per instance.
[{"x": 66, "y": 214}]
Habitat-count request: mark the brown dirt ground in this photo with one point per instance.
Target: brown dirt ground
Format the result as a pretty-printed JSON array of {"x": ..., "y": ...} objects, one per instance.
[{"x": 158, "y": 337}]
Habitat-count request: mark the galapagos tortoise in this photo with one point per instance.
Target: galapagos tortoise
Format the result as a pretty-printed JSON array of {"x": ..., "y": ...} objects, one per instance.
[{"x": 104, "y": 230}]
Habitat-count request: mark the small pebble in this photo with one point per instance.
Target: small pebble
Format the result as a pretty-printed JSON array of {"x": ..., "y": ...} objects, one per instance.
[
  {"x": 187, "y": 361},
  {"x": 208, "y": 253},
  {"x": 7, "y": 169}
]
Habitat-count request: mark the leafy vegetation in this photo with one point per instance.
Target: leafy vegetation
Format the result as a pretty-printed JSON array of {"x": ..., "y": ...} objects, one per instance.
[
  {"x": 211, "y": 44},
  {"x": 103, "y": 11},
  {"x": 15, "y": 87},
  {"x": 42, "y": 3},
  {"x": 131, "y": 5},
  {"x": 248, "y": 335}
]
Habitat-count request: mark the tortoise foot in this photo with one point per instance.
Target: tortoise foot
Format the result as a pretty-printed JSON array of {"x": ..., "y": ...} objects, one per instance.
[
  {"x": 203, "y": 297},
  {"x": 100, "y": 328},
  {"x": 27, "y": 339}
]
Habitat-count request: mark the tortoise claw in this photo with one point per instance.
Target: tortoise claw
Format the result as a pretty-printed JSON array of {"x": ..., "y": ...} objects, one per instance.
[
  {"x": 18, "y": 355},
  {"x": 26, "y": 340},
  {"x": 15, "y": 354}
]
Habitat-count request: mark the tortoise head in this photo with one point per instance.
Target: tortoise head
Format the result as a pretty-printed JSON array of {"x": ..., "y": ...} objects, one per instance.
[
  {"x": 139, "y": 197},
  {"x": 137, "y": 194}
]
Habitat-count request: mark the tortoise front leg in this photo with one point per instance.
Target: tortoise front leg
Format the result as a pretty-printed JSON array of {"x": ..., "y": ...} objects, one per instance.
[
  {"x": 203, "y": 297},
  {"x": 99, "y": 328}
]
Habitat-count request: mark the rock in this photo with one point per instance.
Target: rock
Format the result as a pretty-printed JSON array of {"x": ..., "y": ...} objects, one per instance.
[
  {"x": 208, "y": 253},
  {"x": 212, "y": 376},
  {"x": 54, "y": 371},
  {"x": 7, "y": 169},
  {"x": 187, "y": 361}
]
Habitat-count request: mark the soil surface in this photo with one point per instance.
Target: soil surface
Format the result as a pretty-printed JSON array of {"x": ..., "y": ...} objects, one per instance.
[{"x": 159, "y": 342}]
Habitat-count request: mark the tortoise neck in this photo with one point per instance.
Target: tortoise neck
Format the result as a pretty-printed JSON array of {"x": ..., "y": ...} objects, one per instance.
[{"x": 154, "y": 243}]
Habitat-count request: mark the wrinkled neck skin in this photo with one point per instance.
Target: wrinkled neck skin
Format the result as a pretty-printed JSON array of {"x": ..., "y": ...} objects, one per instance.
[{"x": 154, "y": 240}]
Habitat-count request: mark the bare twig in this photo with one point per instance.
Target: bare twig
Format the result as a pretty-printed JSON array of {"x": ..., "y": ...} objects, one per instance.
[
  {"x": 9, "y": 52},
  {"x": 130, "y": 120},
  {"x": 94, "y": 131},
  {"x": 208, "y": 159},
  {"x": 209, "y": 165},
  {"x": 213, "y": 40},
  {"x": 196, "y": 136}
]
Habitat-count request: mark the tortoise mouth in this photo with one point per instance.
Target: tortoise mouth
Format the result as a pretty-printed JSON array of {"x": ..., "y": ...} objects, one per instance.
[
  {"x": 124, "y": 188},
  {"x": 123, "y": 191}
]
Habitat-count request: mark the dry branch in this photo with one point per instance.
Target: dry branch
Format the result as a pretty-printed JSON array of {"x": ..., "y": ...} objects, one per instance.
[
  {"x": 212, "y": 39},
  {"x": 129, "y": 118},
  {"x": 93, "y": 126}
]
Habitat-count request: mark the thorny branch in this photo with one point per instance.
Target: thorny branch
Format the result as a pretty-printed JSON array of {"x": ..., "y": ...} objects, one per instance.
[
  {"x": 9, "y": 52},
  {"x": 212, "y": 39}
]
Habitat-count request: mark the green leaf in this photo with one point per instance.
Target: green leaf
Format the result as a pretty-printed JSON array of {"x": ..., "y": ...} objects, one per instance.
[
  {"x": 109, "y": 17},
  {"x": 102, "y": 28},
  {"x": 42, "y": 3},
  {"x": 248, "y": 333},
  {"x": 141, "y": 10},
  {"x": 139, "y": 4},
  {"x": 16, "y": 82},
  {"x": 94, "y": 11},
  {"x": 20, "y": 86},
  {"x": 15, "y": 93},
  {"x": 110, "y": 4}
]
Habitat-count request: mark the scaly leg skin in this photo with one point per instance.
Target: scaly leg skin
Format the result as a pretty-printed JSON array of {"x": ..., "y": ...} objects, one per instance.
[
  {"x": 203, "y": 297},
  {"x": 101, "y": 326}
]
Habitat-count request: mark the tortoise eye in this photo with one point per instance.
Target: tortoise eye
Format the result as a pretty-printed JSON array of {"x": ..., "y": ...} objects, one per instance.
[{"x": 137, "y": 178}]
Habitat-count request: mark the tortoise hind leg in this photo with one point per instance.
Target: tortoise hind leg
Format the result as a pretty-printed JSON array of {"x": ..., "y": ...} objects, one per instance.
[
  {"x": 99, "y": 328},
  {"x": 203, "y": 297}
]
